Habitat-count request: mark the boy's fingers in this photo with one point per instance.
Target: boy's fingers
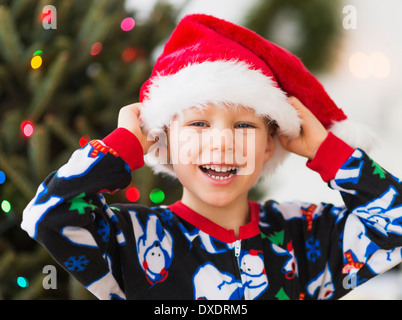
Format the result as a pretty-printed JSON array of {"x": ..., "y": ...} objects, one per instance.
[
  {"x": 312, "y": 132},
  {"x": 284, "y": 140},
  {"x": 303, "y": 112},
  {"x": 309, "y": 121},
  {"x": 130, "y": 118},
  {"x": 296, "y": 103},
  {"x": 132, "y": 110}
]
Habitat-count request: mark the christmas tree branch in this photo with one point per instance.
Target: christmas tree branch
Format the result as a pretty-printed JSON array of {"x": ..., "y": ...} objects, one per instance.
[
  {"x": 18, "y": 6},
  {"x": 24, "y": 186},
  {"x": 11, "y": 48},
  {"x": 62, "y": 132},
  {"x": 95, "y": 28},
  {"x": 6, "y": 261},
  {"x": 38, "y": 151},
  {"x": 50, "y": 84}
]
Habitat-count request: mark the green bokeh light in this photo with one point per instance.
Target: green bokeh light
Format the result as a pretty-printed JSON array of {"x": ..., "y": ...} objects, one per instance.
[
  {"x": 157, "y": 195},
  {"x": 5, "y": 206}
]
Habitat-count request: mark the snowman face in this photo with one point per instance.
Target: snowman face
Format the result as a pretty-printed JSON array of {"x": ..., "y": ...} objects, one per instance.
[
  {"x": 252, "y": 265},
  {"x": 155, "y": 258}
]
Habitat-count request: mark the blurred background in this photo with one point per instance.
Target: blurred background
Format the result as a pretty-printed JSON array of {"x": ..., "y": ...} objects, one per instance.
[{"x": 65, "y": 74}]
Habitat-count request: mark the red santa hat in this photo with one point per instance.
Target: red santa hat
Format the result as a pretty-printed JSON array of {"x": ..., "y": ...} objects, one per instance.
[{"x": 209, "y": 60}]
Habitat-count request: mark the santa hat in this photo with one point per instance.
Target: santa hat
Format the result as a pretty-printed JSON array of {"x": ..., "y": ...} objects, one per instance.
[{"x": 209, "y": 60}]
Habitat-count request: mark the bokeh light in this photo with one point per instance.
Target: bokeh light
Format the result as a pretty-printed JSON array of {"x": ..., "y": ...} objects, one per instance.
[
  {"x": 96, "y": 48},
  {"x": 36, "y": 62},
  {"x": 127, "y": 24},
  {"x": 128, "y": 54},
  {"x": 132, "y": 194},
  {"x": 46, "y": 15},
  {"x": 5, "y": 206},
  {"x": 359, "y": 65},
  {"x": 381, "y": 66},
  {"x": 2, "y": 177},
  {"x": 364, "y": 66},
  {"x": 157, "y": 195},
  {"x": 22, "y": 282},
  {"x": 27, "y": 128}
]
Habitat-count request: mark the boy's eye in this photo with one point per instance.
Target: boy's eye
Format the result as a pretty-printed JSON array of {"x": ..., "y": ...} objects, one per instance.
[
  {"x": 198, "y": 124},
  {"x": 244, "y": 125}
]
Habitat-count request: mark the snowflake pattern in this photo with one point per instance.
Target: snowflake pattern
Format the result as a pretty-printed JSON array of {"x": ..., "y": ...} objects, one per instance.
[
  {"x": 76, "y": 263},
  {"x": 103, "y": 230},
  {"x": 313, "y": 249},
  {"x": 167, "y": 216}
]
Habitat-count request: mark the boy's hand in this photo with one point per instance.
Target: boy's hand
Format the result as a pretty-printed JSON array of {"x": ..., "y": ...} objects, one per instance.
[
  {"x": 312, "y": 133},
  {"x": 130, "y": 119}
]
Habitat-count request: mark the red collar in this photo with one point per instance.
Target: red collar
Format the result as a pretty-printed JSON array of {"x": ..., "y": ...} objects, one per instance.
[{"x": 248, "y": 231}]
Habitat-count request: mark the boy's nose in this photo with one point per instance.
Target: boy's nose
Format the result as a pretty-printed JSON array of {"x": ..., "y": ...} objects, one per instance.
[
  {"x": 221, "y": 146},
  {"x": 222, "y": 140}
]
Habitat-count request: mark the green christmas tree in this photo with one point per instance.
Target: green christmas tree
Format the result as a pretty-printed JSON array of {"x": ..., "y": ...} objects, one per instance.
[{"x": 60, "y": 87}]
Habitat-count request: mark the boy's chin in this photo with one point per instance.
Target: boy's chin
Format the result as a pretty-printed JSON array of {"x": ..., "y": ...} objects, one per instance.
[{"x": 219, "y": 199}]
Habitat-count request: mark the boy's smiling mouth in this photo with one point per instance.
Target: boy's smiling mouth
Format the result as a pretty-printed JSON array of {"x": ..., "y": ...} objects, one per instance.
[{"x": 219, "y": 172}]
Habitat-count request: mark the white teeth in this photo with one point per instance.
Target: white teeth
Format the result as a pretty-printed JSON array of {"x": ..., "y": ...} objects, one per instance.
[
  {"x": 218, "y": 168},
  {"x": 221, "y": 178}
]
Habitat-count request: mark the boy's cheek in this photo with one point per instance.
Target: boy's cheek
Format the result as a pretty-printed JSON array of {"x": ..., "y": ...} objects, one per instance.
[
  {"x": 247, "y": 165},
  {"x": 245, "y": 152}
]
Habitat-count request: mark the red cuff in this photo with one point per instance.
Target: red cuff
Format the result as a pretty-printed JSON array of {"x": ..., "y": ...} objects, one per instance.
[
  {"x": 330, "y": 157},
  {"x": 127, "y": 146}
]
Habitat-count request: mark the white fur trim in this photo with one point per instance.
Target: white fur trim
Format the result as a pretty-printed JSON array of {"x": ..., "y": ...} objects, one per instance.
[
  {"x": 357, "y": 135},
  {"x": 219, "y": 82}
]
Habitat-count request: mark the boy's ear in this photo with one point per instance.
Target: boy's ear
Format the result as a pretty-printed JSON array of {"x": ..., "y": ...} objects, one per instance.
[
  {"x": 269, "y": 147},
  {"x": 167, "y": 132}
]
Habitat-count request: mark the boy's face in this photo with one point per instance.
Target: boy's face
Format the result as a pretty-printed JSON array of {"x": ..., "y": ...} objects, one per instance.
[{"x": 218, "y": 152}]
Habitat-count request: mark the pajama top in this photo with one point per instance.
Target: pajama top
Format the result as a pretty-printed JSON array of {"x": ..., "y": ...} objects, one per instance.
[{"x": 292, "y": 250}]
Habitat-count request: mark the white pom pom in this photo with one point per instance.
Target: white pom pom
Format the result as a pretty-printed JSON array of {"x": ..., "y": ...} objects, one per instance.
[{"x": 357, "y": 135}]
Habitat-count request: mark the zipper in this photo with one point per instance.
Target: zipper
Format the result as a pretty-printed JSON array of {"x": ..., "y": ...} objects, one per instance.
[
  {"x": 237, "y": 248},
  {"x": 236, "y": 263}
]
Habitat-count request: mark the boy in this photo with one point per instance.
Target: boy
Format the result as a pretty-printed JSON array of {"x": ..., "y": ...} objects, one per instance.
[{"x": 217, "y": 95}]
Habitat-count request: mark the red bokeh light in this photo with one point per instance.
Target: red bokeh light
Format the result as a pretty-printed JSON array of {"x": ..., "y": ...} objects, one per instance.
[
  {"x": 96, "y": 48},
  {"x": 27, "y": 128},
  {"x": 132, "y": 194},
  {"x": 128, "y": 54}
]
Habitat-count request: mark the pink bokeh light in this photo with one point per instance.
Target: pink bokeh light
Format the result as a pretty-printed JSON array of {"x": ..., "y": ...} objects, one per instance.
[{"x": 127, "y": 24}]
